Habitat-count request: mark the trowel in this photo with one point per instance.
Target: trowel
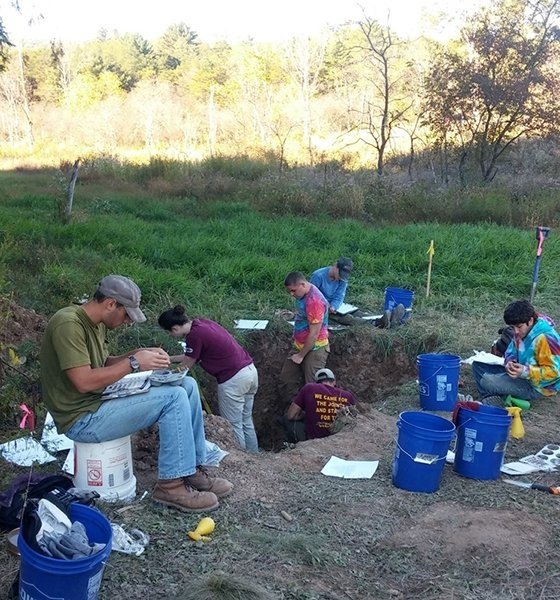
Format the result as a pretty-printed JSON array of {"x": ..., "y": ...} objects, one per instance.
[{"x": 551, "y": 489}]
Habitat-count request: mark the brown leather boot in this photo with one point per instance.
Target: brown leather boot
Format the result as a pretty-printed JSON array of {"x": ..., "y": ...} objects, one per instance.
[
  {"x": 204, "y": 483},
  {"x": 176, "y": 493}
]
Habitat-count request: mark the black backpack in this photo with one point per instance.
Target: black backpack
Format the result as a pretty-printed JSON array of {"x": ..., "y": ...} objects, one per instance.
[
  {"x": 500, "y": 345},
  {"x": 25, "y": 487}
]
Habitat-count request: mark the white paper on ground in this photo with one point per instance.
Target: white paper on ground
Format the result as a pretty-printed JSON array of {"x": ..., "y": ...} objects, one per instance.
[
  {"x": 68, "y": 466},
  {"x": 337, "y": 327},
  {"x": 350, "y": 469},
  {"x": 250, "y": 324},
  {"x": 483, "y": 357},
  {"x": 371, "y": 317},
  {"x": 24, "y": 452},
  {"x": 214, "y": 454},
  {"x": 51, "y": 439},
  {"x": 345, "y": 309},
  {"x": 519, "y": 468}
]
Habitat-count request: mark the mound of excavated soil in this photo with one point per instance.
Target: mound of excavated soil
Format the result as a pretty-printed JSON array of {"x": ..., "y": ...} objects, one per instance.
[
  {"x": 18, "y": 324},
  {"x": 514, "y": 535}
]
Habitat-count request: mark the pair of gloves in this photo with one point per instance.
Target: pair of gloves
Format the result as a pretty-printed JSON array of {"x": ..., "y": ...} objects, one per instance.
[{"x": 70, "y": 545}]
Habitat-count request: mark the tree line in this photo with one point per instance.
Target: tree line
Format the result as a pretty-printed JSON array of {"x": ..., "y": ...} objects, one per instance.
[{"x": 357, "y": 94}]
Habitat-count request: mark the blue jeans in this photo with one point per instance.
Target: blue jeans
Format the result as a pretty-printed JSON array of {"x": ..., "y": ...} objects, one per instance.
[
  {"x": 175, "y": 408},
  {"x": 235, "y": 399},
  {"x": 492, "y": 380}
]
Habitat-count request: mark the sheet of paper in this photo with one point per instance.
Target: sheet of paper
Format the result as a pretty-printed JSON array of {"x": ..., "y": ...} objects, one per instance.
[
  {"x": 68, "y": 466},
  {"x": 133, "y": 383},
  {"x": 519, "y": 468},
  {"x": 250, "y": 324},
  {"x": 337, "y": 327},
  {"x": 51, "y": 439},
  {"x": 371, "y": 317},
  {"x": 484, "y": 357},
  {"x": 214, "y": 454},
  {"x": 24, "y": 452},
  {"x": 345, "y": 309},
  {"x": 350, "y": 469}
]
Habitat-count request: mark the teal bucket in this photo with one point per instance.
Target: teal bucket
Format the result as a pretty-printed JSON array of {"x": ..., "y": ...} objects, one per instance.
[
  {"x": 482, "y": 437},
  {"x": 394, "y": 296},
  {"x": 45, "y": 578},
  {"x": 438, "y": 381},
  {"x": 422, "y": 445}
]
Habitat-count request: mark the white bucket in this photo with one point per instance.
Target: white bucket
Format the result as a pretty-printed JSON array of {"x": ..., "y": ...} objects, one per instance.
[{"x": 105, "y": 468}]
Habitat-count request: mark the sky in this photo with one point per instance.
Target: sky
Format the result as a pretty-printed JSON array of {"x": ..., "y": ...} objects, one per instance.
[{"x": 212, "y": 20}]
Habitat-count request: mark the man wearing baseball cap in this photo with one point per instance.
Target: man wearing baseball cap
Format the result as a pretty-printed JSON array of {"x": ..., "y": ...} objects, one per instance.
[
  {"x": 313, "y": 410},
  {"x": 333, "y": 281},
  {"x": 75, "y": 369}
]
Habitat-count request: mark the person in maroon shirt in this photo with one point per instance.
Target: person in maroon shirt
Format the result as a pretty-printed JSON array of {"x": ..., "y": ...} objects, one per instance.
[
  {"x": 313, "y": 410},
  {"x": 218, "y": 353}
]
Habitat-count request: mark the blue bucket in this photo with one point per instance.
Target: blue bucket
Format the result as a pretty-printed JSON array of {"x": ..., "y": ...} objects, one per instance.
[
  {"x": 45, "y": 578},
  {"x": 482, "y": 437},
  {"x": 422, "y": 446},
  {"x": 394, "y": 296},
  {"x": 438, "y": 380}
]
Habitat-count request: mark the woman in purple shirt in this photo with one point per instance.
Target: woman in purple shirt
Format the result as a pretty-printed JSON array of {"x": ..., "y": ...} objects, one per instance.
[{"x": 218, "y": 353}]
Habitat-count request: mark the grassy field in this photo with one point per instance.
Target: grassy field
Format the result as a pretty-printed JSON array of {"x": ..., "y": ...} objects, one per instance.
[{"x": 227, "y": 259}]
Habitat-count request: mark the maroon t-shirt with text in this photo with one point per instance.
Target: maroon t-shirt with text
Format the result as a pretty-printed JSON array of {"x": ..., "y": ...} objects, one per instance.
[
  {"x": 320, "y": 403},
  {"x": 216, "y": 350}
]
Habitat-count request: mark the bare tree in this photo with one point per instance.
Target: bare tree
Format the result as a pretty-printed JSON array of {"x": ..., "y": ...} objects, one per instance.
[
  {"x": 385, "y": 101},
  {"x": 306, "y": 57}
]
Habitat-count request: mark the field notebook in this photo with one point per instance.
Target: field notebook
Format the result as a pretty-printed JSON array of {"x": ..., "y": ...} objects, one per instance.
[
  {"x": 133, "y": 383},
  {"x": 346, "y": 309}
]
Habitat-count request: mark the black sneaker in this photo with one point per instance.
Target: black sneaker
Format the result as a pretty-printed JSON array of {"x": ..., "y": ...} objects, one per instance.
[
  {"x": 397, "y": 315},
  {"x": 493, "y": 401}
]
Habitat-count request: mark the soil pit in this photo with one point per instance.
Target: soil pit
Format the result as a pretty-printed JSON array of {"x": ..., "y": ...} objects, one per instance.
[{"x": 353, "y": 359}]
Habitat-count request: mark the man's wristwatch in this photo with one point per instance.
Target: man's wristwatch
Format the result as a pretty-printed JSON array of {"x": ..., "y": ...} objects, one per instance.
[{"x": 134, "y": 364}]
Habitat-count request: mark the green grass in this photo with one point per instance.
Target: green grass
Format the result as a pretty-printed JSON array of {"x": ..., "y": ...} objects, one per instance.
[{"x": 225, "y": 259}]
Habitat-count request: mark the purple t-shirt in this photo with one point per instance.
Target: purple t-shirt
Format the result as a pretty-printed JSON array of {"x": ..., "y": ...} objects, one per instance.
[
  {"x": 215, "y": 349},
  {"x": 320, "y": 403}
]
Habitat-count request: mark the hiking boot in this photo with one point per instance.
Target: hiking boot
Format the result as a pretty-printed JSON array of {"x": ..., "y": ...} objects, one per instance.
[
  {"x": 202, "y": 482},
  {"x": 397, "y": 315},
  {"x": 384, "y": 321},
  {"x": 178, "y": 494}
]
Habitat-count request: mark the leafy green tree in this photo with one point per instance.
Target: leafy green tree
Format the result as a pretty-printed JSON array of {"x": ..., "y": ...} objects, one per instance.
[
  {"x": 41, "y": 75},
  {"x": 175, "y": 49},
  {"x": 129, "y": 57},
  {"x": 4, "y": 44},
  {"x": 498, "y": 85}
]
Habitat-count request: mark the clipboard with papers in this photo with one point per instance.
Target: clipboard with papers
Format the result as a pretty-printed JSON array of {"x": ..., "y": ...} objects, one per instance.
[{"x": 129, "y": 385}]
